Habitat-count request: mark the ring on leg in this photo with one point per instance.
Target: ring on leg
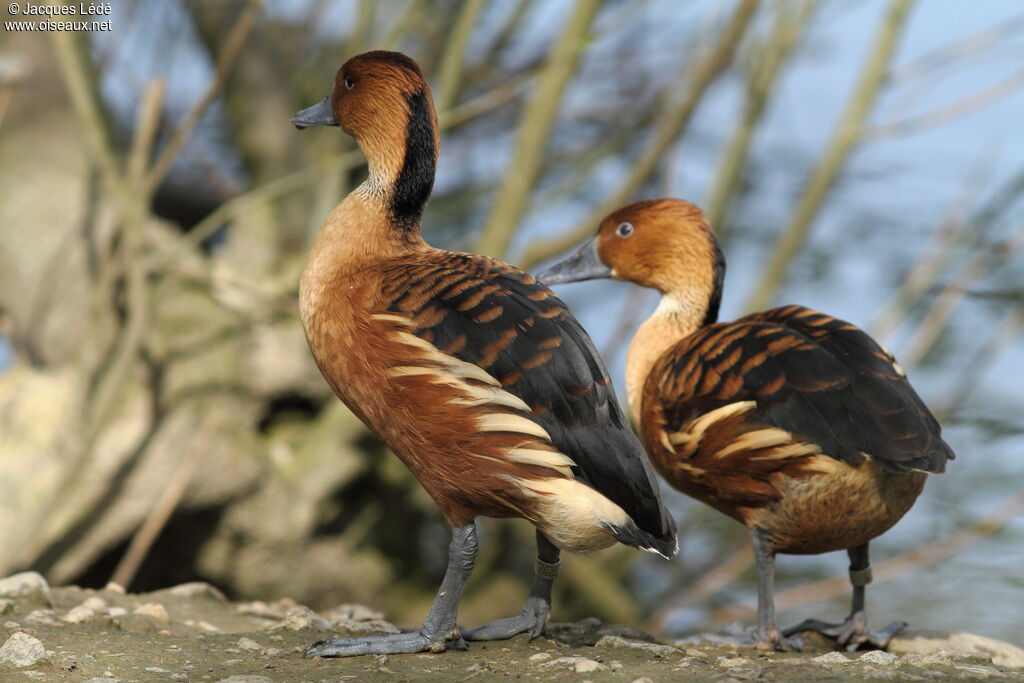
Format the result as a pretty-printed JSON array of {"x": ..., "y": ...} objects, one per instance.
[
  {"x": 853, "y": 632},
  {"x": 535, "y": 613},
  {"x": 547, "y": 570}
]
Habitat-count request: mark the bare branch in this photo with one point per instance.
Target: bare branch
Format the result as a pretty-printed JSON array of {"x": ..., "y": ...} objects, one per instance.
[
  {"x": 698, "y": 76},
  {"x": 826, "y": 173},
  {"x": 452, "y": 62},
  {"x": 940, "y": 116},
  {"x": 760, "y": 84},
  {"x": 534, "y": 127},
  {"x": 232, "y": 46}
]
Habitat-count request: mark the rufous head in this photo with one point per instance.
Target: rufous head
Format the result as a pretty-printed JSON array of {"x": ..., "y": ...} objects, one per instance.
[
  {"x": 382, "y": 100},
  {"x": 378, "y": 98},
  {"x": 665, "y": 244}
]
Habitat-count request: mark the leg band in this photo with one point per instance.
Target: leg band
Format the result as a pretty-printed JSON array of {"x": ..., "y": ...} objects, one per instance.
[
  {"x": 861, "y": 577},
  {"x": 547, "y": 570}
]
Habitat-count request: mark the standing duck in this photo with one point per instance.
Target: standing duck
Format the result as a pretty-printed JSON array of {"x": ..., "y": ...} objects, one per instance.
[
  {"x": 790, "y": 421},
  {"x": 474, "y": 374}
]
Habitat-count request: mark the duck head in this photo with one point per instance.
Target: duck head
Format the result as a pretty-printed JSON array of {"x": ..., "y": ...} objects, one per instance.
[
  {"x": 382, "y": 100},
  {"x": 665, "y": 244}
]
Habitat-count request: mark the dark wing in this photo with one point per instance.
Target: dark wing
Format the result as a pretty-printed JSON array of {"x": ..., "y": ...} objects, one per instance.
[
  {"x": 486, "y": 312},
  {"x": 816, "y": 377}
]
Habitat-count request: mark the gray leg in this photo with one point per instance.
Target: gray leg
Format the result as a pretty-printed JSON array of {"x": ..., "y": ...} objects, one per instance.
[
  {"x": 766, "y": 636},
  {"x": 439, "y": 630},
  {"x": 853, "y": 632},
  {"x": 538, "y": 606}
]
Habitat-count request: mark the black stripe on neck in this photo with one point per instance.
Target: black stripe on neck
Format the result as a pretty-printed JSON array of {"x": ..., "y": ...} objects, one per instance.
[
  {"x": 717, "y": 280},
  {"x": 416, "y": 179}
]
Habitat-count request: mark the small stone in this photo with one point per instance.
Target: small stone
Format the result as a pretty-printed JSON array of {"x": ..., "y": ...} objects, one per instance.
[
  {"x": 108, "y": 678},
  {"x": 584, "y": 665},
  {"x": 571, "y": 663},
  {"x": 41, "y": 617},
  {"x": 258, "y": 608},
  {"x": 730, "y": 662},
  {"x": 300, "y": 617},
  {"x": 201, "y": 624},
  {"x": 878, "y": 658},
  {"x": 248, "y": 644},
  {"x": 22, "y": 650},
  {"x": 196, "y": 589},
  {"x": 11, "y": 624},
  {"x": 940, "y": 658},
  {"x": 354, "y": 612},
  {"x": 35, "y": 675},
  {"x": 155, "y": 610},
  {"x": 360, "y": 627},
  {"x": 272, "y": 652},
  {"x": 979, "y": 670},
  {"x": 652, "y": 648},
  {"x": 540, "y": 657},
  {"x": 79, "y": 615},
  {"x": 615, "y": 665},
  {"x": 96, "y": 604},
  {"x": 229, "y": 662},
  {"x": 694, "y": 652},
  {"x": 117, "y": 611},
  {"x": 642, "y": 679},
  {"x": 830, "y": 658},
  {"x": 112, "y": 587},
  {"x": 910, "y": 659},
  {"x": 246, "y": 678},
  {"x": 998, "y": 652},
  {"x": 156, "y": 670},
  {"x": 26, "y": 586}
]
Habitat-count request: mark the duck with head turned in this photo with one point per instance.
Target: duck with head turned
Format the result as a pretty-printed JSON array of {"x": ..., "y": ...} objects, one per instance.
[
  {"x": 795, "y": 423},
  {"x": 474, "y": 374}
]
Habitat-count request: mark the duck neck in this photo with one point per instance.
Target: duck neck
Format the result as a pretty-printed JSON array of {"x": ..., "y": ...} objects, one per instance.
[
  {"x": 674, "y": 319},
  {"x": 402, "y": 158},
  {"x": 684, "y": 308},
  {"x": 380, "y": 219}
]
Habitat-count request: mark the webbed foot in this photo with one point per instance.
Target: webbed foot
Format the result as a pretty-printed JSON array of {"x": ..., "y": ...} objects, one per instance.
[
  {"x": 741, "y": 635},
  {"x": 531, "y": 620},
  {"x": 397, "y": 643},
  {"x": 852, "y": 633}
]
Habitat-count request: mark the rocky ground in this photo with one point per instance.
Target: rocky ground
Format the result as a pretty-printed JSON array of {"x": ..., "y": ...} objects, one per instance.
[{"x": 192, "y": 633}]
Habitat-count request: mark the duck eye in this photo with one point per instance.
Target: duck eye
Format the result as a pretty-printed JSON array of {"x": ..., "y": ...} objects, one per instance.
[
  {"x": 624, "y": 230},
  {"x": 349, "y": 83}
]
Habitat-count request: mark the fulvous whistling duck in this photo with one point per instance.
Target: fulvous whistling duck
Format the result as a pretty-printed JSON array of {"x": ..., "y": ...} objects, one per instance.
[
  {"x": 793, "y": 422},
  {"x": 476, "y": 376}
]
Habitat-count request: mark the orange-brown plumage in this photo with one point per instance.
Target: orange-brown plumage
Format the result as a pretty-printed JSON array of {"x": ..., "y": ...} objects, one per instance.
[
  {"x": 795, "y": 423},
  {"x": 475, "y": 375}
]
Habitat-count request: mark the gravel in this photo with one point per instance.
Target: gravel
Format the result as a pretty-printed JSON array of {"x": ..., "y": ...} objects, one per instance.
[
  {"x": 191, "y": 633},
  {"x": 653, "y": 648},
  {"x": 878, "y": 658}
]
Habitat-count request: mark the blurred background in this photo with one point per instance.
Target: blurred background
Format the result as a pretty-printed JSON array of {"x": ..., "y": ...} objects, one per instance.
[{"x": 160, "y": 416}]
